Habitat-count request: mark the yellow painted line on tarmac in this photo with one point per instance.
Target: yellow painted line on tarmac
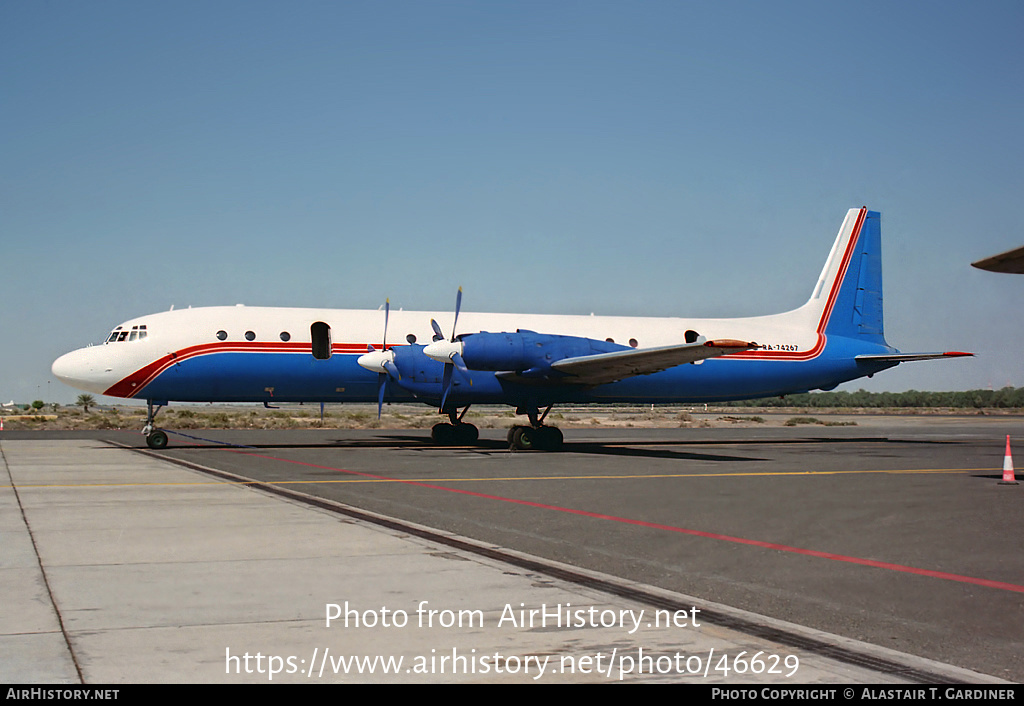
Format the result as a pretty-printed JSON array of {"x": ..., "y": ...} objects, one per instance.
[{"x": 511, "y": 478}]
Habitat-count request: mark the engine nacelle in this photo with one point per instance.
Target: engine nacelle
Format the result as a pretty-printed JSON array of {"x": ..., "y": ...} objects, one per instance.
[
  {"x": 423, "y": 376},
  {"x": 526, "y": 350}
]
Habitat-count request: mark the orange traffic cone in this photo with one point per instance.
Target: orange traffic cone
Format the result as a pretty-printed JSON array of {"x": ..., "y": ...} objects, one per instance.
[{"x": 1008, "y": 475}]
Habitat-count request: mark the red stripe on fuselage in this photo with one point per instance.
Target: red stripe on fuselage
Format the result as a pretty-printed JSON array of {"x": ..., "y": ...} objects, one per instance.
[{"x": 133, "y": 384}]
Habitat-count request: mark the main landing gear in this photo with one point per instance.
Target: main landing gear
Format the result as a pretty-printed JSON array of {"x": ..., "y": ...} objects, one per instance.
[
  {"x": 155, "y": 438},
  {"x": 535, "y": 437},
  {"x": 455, "y": 433},
  {"x": 538, "y": 436}
]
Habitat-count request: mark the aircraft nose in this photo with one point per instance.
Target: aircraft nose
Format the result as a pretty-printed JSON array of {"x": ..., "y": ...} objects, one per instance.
[
  {"x": 65, "y": 368},
  {"x": 82, "y": 370}
]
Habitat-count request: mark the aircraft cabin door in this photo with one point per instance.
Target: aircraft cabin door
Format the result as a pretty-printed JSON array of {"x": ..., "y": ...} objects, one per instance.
[{"x": 320, "y": 334}]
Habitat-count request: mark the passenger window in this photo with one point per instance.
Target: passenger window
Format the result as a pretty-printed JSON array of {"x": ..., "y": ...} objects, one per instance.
[
  {"x": 250, "y": 336},
  {"x": 320, "y": 334},
  {"x": 222, "y": 335},
  {"x": 285, "y": 336},
  {"x": 633, "y": 343}
]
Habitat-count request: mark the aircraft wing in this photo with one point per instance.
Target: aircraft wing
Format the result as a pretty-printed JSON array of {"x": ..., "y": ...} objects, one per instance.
[
  {"x": 1011, "y": 262},
  {"x": 908, "y": 357},
  {"x": 604, "y": 368}
]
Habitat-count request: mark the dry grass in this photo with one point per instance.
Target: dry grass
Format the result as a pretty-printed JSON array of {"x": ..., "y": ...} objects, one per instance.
[{"x": 364, "y": 416}]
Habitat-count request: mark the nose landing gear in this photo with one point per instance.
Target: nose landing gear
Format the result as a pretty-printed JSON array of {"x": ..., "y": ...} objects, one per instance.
[{"x": 155, "y": 438}]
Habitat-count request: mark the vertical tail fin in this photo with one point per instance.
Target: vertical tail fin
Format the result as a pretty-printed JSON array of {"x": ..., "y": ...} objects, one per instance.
[{"x": 847, "y": 300}]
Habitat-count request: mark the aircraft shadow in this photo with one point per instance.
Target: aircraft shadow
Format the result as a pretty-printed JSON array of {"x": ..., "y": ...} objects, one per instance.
[
  {"x": 660, "y": 449},
  {"x": 483, "y": 447}
]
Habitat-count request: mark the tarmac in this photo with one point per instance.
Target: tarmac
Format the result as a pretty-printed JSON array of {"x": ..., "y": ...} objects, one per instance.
[{"x": 118, "y": 567}]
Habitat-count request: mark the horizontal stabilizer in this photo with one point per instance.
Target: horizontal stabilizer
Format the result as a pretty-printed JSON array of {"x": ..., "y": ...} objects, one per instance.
[
  {"x": 908, "y": 357},
  {"x": 604, "y": 368}
]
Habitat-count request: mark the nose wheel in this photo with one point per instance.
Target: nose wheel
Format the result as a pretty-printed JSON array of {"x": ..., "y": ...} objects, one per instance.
[{"x": 155, "y": 438}]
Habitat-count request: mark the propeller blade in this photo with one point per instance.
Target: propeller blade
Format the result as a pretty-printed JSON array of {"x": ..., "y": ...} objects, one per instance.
[
  {"x": 456, "y": 359},
  {"x": 382, "y": 381},
  {"x": 458, "y": 306},
  {"x": 382, "y": 378},
  {"x": 446, "y": 384}
]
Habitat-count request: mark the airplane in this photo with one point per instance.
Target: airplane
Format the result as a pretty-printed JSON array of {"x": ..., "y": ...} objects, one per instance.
[{"x": 531, "y": 362}]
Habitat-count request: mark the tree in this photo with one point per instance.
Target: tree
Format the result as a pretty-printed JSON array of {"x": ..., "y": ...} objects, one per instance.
[{"x": 85, "y": 401}]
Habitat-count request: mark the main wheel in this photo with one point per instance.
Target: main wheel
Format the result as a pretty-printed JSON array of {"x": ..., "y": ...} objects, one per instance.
[
  {"x": 549, "y": 438},
  {"x": 524, "y": 438},
  {"x": 156, "y": 439},
  {"x": 539, "y": 438},
  {"x": 466, "y": 433},
  {"x": 443, "y": 434}
]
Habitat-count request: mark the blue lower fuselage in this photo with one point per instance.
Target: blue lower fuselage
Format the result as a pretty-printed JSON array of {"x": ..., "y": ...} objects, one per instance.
[{"x": 264, "y": 376}]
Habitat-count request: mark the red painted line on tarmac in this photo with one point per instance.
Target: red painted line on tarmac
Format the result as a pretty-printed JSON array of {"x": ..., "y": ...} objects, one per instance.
[{"x": 1000, "y": 585}]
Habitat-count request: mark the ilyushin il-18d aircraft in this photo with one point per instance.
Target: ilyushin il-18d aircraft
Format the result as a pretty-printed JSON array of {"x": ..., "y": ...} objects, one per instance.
[{"x": 531, "y": 362}]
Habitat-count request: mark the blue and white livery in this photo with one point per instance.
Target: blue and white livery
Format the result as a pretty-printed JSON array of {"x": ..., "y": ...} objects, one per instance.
[{"x": 268, "y": 355}]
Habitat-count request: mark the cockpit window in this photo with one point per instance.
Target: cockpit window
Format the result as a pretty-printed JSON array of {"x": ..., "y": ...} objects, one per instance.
[{"x": 137, "y": 333}]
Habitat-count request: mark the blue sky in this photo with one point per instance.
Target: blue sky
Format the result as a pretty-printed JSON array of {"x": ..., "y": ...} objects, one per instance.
[{"x": 656, "y": 158}]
